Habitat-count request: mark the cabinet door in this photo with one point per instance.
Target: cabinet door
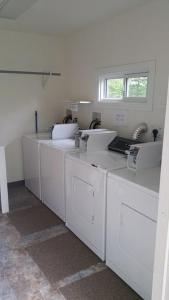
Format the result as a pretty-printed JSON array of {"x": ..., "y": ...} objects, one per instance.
[
  {"x": 82, "y": 200},
  {"x": 52, "y": 179},
  {"x": 131, "y": 232},
  {"x": 85, "y": 204}
]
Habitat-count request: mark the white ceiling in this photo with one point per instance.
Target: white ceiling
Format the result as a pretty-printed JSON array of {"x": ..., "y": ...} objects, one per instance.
[{"x": 64, "y": 16}]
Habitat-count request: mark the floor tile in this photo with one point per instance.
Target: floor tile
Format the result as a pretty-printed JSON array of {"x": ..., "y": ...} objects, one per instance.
[
  {"x": 20, "y": 197},
  {"x": 34, "y": 219},
  {"x": 46, "y": 262},
  {"x": 104, "y": 285},
  {"x": 62, "y": 256}
]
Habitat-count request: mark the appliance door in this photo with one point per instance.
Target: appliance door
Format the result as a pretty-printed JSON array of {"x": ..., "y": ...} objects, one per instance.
[
  {"x": 131, "y": 231},
  {"x": 52, "y": 179},
  {"x": 64, "y": 131},
  {"x": 85, "y": 203},
  {"x": 32, "y": 165}
]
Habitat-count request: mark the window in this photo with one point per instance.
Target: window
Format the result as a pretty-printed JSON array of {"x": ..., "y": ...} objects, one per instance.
[
  {"x": 136, "y": 86},
  {"x": 114, "y": 88},
  {"x": 125, "y": 85},
  {"x": 128, "y": 87}
]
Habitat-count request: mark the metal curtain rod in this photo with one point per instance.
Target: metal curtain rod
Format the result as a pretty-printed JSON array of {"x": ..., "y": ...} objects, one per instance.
[{"x": 29, "y": 73}]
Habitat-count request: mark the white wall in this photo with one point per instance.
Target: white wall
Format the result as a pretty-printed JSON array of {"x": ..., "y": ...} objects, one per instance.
[
  {"x": 21, "y": 95},
  {"x": 139, "y": 35},
  {"x": 136, "y": 36}
]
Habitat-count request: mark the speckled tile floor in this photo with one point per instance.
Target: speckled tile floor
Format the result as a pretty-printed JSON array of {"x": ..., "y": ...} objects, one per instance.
[{"x": 40, "y": 259}]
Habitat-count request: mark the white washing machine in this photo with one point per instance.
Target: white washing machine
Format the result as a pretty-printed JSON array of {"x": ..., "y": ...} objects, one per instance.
[
  {"x": 52, "y": 168},
  {"x": 132, "y": 207},
  {"x": 31, "y": 153},
  {"x": 52, "y": 157},
  {"x": 31, "y": 160},
  {"x": 86, "y": 175}
]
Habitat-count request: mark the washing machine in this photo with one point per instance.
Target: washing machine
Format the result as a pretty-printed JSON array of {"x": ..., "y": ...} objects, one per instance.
[
  {"x": 52, "y": 158},
  {"x": 52, "y": 167},
  {"x": 31, "y": 161},
  {"x": 31, "y": 153},
  {"x": 86, "y": 176},
  {"x": 132, "y": 208}
]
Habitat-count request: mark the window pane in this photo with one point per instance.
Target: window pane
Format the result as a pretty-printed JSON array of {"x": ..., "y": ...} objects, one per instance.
[
  {"x": 114, "y": 88},
  {"x": 137, "y": 87}
]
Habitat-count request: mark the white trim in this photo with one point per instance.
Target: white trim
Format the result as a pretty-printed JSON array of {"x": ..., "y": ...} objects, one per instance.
[
  {"x": 145, "y": 104},
  {"x": 3, "y": 182},
  {"x": 161, "y": 266}
]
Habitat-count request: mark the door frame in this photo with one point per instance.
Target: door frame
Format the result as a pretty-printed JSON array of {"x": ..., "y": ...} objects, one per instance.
[{"x": 161, "y": 265}]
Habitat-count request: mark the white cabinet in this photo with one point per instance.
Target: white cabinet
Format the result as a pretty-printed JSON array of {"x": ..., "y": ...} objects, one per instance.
[
  {"x": 131, "y": 231},
  {"x": 86, "y": 203},
  {"x": 31, "y": 161},
  {"x": 52, "y": 179},
  {"x": 3, "y": 183}
]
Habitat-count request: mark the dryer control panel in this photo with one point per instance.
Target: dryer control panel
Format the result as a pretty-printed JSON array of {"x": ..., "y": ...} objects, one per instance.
[{"x": 121, "y": 144}]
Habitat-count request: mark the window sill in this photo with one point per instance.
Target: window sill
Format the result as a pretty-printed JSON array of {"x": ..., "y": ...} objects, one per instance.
[{"x": 128, "y": 105}]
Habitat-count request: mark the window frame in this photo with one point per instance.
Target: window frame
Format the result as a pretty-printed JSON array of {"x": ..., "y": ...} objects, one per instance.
[
  {"x": 136, "y": 75},
  {"x": 128, "y": 71},
  {"x": 115, "y": 99}
]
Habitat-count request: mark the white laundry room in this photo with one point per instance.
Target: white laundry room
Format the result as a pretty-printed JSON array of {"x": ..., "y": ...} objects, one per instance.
[{"x": 84, "y": 150}]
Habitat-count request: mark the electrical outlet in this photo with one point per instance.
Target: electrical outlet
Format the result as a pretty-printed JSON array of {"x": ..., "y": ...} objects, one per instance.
[{"x": 160, "y": 132}]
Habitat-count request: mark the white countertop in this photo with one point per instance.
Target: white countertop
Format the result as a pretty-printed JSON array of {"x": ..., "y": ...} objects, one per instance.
[
  {"x": 104, "y": 159},
  {"x": 44, "y": 138},
  {"x": 149, "y": 179},
  {"x": 115, "y": 164},
  {"x": 65, "y": 144},
  {"x": 39, "y": 136}
]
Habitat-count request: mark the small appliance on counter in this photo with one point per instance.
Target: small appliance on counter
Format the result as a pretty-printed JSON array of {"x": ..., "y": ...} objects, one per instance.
[
  {"x": 121, "y": 144},
  {"x": 145, "y": 155}
]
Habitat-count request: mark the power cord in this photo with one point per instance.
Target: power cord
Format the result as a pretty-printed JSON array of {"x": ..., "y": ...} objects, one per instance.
[{"x": 155, "y": 134}]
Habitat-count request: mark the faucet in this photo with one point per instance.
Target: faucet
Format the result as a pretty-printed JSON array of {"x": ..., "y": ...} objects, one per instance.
[
  {"x": 95, "y": 123},
  {"x": 50, "y": 131},
  {"x": 83, "y": 142}
]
